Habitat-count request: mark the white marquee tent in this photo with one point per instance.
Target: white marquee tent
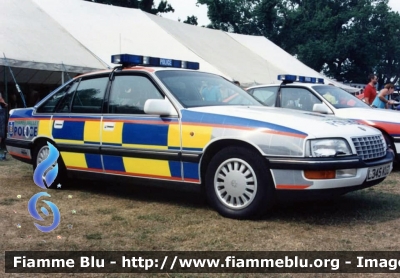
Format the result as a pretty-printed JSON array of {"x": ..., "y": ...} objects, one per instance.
[
  {"x": 42, "y": 38},
  {"x": 37, "y": 48}
]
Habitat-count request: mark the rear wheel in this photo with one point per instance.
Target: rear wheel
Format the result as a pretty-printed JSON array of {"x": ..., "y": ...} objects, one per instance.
[
  {"x": 238, "y": 183},
  {"x": 40, "y": 154}
]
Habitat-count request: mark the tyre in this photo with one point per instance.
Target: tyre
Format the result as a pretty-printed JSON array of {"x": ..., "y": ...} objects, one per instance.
[
  {"x": 40, "y": 154},
  {"x": 238, "y": 183}
]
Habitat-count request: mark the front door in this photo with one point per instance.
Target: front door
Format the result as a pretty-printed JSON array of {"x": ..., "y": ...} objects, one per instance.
[{"x": 134, "y": 143}]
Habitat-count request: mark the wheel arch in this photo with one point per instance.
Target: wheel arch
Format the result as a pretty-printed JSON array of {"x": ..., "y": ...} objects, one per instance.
[
  {"x": 390, "y": 138},
  {"x": 43, "y": 140},
  {"x": 213, "y": 148}
]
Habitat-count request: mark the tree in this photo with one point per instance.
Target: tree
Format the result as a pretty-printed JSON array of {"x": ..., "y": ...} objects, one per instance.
[
  {"x": 389, "y": 48},
  {"x": 144, "y": 5},
  {"x": 192, "y": 20}
]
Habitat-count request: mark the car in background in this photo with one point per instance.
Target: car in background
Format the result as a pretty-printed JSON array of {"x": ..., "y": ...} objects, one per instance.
[
  {"x": 312, "y": 95},
  {"x": 157, "y": 119},
  {"x": 360, "y": 96}
]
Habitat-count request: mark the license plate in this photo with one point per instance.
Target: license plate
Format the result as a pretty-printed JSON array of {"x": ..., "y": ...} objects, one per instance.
[{"x": 379, "y": 172}]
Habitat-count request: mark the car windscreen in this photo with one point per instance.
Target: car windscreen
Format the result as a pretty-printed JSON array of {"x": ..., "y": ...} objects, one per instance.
[
  {"x": 195, "y": 89},
  {"x": 339, "y": 98}
]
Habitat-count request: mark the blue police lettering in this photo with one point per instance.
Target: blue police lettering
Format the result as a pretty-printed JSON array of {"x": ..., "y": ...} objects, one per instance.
[
  {"x": 30, "y": 131},
  {"x": 166, "y": 62},
  {"x": 27, "y": 131},
  {"x": 18, "y": 130}
]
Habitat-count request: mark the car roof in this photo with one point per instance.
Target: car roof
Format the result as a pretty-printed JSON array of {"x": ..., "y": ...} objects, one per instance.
[
  {"x": 136, "y": 68},
  {"x": 295, "y": 84}
]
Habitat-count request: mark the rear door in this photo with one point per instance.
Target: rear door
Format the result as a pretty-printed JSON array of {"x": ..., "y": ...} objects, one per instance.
[{"x": 76, "y": 124}]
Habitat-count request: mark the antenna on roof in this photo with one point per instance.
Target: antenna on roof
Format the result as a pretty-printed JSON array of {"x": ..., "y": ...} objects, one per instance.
[{"x": 15, "y": 81}]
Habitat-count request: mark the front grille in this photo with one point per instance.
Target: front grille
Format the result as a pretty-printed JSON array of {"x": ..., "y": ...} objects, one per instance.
[{"x": 370, "y": 147}]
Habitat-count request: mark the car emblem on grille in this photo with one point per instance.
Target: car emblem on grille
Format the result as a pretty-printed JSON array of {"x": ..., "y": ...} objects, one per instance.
[{"x": 362, "y": 128}]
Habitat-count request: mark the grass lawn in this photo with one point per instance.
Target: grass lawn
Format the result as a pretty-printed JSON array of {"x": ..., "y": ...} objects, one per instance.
[{"x": 105, "y": 216}]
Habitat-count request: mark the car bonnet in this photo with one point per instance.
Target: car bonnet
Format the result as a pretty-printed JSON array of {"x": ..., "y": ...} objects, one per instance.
[{"x": 313, "y": 124}]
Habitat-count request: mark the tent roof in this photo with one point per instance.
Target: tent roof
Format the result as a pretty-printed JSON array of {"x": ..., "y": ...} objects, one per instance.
[
  {"x": 229, "y": 56},
  {"x": 32, "y": 40},
  {"x": 287, "y": 64},
  {"x": 41, "y": 37},
  {"x": 107, "y": 30}
]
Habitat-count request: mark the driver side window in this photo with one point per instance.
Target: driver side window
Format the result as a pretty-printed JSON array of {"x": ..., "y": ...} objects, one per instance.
[
  {"x": 298, "y": 98},
  {"x": 129, "y": 94}
]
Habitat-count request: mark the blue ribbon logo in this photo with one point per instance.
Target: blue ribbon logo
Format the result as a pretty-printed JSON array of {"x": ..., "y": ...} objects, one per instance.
[
  {"x": 44, "y": 176},
  {"x": 32, "y": 210},
  {"x": 46, "y": 171}
]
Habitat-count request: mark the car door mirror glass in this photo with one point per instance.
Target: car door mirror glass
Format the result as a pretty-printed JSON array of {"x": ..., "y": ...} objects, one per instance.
[
  {"x": 160, "y": 107},
  {"x": 321, "y": 108}
]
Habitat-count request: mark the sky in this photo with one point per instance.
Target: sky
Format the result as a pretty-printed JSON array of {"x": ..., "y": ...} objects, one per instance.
[
  {"x": 395, "y": 5},
  {"x": 185, "y": 8}
]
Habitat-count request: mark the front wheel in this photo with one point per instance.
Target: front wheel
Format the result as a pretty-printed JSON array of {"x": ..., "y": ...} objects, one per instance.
[{"x": 238, "y": 183}]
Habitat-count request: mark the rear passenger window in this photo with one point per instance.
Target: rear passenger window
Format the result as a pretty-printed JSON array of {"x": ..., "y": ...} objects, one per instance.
[
  {"x": 89, "y": 96},
  {"x": 65, "y": 104},
  {"x": 266, "y": 96},
  {"x": 50, "y": 104}
]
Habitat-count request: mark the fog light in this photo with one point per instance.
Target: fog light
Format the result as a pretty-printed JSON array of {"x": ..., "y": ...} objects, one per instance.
[
  {"x": 346, "y": 173},
  {"x": 319, "y": 175}
]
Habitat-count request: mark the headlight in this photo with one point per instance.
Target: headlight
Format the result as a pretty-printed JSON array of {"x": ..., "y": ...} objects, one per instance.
[{"x": 328, "y": 147}]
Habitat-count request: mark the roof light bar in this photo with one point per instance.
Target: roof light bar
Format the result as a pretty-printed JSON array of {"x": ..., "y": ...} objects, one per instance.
[
  {"x": 288, "y": 78},
  {"x": 133, "y": 60}
]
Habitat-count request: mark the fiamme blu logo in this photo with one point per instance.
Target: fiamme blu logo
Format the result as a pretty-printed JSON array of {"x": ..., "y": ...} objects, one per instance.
[{"x": 44, "y": 176}]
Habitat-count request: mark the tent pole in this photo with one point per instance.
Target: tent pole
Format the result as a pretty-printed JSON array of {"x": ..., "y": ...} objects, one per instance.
[
  {"x": 6, "y": 99},
  {"x": 5, "y": 86}
]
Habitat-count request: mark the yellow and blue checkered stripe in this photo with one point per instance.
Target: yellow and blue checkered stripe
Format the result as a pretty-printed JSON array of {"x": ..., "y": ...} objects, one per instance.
[
  {"x": 142, "y": 133},
  {"x": 79, "y": 132}
]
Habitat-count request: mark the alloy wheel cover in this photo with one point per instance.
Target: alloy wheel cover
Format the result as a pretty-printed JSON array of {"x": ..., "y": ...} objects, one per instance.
[{"x": 235, "y": 183}]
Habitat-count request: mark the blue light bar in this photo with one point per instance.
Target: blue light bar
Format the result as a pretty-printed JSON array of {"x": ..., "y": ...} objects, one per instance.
[
  {"x": 302, "y": 79},
  {"x": 133, "y": 60},
  {"x": 287, "y": 77},
  {"x": 191, "y": 65},
  {"x": 127, "y": 59}
]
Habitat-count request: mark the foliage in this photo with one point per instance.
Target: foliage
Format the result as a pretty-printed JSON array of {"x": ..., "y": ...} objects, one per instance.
[
  {"x": 144, "y": 5},
  {"x": 346, "y": 39},
  {"x": 191, "y": 20}
]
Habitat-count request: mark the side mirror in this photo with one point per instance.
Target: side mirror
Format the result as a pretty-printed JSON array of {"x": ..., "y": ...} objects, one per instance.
[
  {"x": 321, "y": 108},
  {"x": 160, "y": 107}
]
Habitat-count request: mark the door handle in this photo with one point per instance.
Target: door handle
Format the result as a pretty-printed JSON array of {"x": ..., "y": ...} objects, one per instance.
[
  {"x": 58, "y": 124},
  {"x": 108, "y": 126}
]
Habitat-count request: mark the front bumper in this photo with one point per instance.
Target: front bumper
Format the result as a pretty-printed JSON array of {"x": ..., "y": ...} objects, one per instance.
[{"x": 288, "y": 174}]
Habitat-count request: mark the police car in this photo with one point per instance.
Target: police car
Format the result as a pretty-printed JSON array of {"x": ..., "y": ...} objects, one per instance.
[
  {"x": 163, "y": 120},
  {"x": 311, "y": 94}
]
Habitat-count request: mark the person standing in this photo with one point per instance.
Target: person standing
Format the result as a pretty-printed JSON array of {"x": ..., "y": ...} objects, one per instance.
[
  {"x": 370, "y": 90},
  {"x": 3, "y": 111},
  {"x": 237, "y": 83},
  {"x": 382, "y": 100}
]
